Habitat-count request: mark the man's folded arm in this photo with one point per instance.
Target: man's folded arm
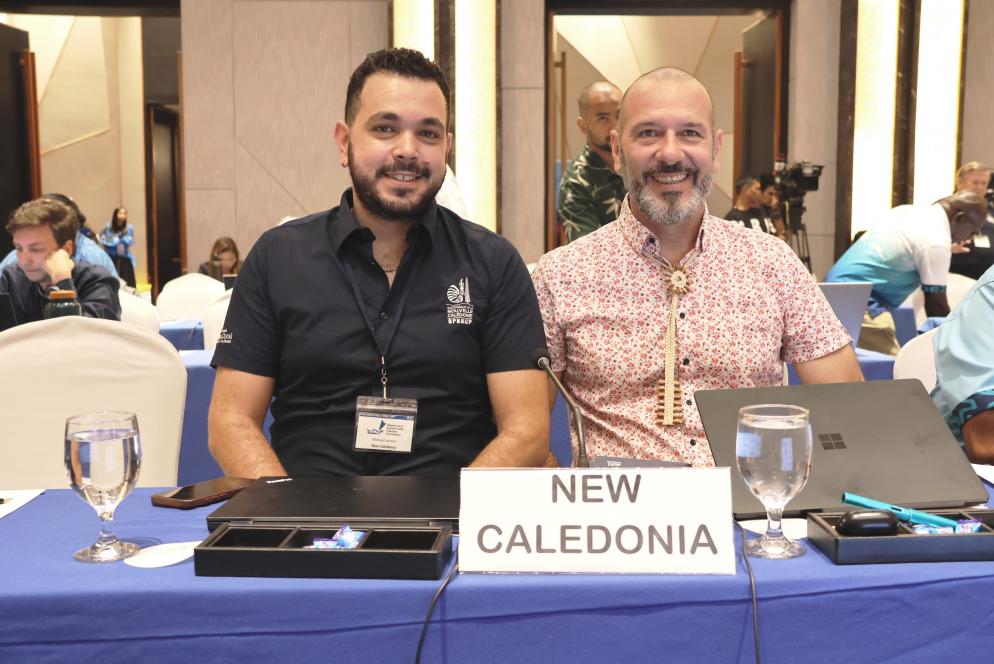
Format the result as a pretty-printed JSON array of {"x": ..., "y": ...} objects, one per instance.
[
  {"x": 234, "y": 424},
  {"x": 520, "y": 401}
]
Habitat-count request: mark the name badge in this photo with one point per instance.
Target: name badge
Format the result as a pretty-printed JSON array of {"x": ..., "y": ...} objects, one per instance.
[
  {"x": 385, "y": 425},
  {"x": 982, "y": 242}
]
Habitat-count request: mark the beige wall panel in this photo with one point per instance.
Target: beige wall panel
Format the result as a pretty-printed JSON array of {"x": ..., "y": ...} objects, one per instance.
[
  {"x": 75, "y": 103},
  {"x": 522, "y": 31},
  {"x": 716, "y": 68},
  {"x": 290, "y": 80},
  {"x": 209, "y": 215},
  {"x": 523, "y": 191},
  {"x": 369, "y": 30},
  {"x": 814, "y": 106},
  {"x": 260, "y": 200},
  {"x": 88, "y": 172},
  {"x": 978, "y": 132},
  {"x": 579, "y": 74},
  {"x": 822, "y": 248},
  {"x": 208, "y": 94}
]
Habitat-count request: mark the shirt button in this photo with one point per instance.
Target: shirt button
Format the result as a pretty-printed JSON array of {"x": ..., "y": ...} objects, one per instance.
[
  {"x": 686, "y": 361},
  {"x": 384, "y": 315},
  {"x": 689, "y": 402},
  {"x": 693, "y": 442},
  {"x": 683, "y": 315}
]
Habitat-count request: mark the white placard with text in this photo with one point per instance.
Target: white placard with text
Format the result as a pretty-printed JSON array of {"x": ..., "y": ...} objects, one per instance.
[{"x": 621, "y": 520}]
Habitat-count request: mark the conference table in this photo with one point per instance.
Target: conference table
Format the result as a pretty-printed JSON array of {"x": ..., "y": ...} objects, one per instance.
[
  {"x": 197, "y": 465},
  {"x": 184, "y": 334},
  {"x": 55, "y": 609}
]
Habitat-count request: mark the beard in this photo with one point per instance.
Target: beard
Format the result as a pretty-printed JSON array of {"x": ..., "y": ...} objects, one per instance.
[
  {"x": 407, "y": 206},
  {"x": 670, "y": 211}
]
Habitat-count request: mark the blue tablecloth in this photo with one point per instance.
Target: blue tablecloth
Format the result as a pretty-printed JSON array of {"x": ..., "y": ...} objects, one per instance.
[
  {"x": 184, "y": 334},
  {"x": 55, "y": 609},
  {"x": 931, "y": 323},
  {"x": 905, "y": 327}
]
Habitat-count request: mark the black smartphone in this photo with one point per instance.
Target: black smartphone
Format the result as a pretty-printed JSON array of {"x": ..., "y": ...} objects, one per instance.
[{"x": 201, "y": 493}]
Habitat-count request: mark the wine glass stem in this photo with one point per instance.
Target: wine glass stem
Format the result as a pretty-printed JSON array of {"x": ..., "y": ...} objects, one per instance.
[
  {"x": 774, "y": 516},
  {"x": 106, "y": 528}
]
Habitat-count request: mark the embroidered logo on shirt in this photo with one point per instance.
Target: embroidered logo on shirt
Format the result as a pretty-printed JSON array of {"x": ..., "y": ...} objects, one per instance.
[
  {"x": 459, "y": 307},
  {"x": 224, "y": 337}
]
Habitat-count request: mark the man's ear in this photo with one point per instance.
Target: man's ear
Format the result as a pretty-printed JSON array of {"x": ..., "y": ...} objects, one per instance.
[
  {"x": 581, "y": 124},
  {"x": 719, "y": 140},
  {"x": 616, "y": 150},
  {"x": 69, "y": 247},
  {"x": 342, "y": 135}
]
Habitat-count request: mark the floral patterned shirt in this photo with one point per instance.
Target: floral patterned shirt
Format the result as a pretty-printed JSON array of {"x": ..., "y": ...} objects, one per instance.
[{"x": 751, "y": 306}]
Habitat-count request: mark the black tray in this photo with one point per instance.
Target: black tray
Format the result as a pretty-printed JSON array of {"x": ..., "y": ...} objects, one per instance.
[
  {"x": 906, "y": 546},
  {"x": 277, "y": 551}
]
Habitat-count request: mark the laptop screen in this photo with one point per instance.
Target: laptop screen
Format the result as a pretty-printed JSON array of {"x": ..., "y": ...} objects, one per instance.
[{"x": 848, "y": 301}]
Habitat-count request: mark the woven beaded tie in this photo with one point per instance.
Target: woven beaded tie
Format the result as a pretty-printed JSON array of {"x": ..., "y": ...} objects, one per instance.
[{"x": 669, "y": 408}]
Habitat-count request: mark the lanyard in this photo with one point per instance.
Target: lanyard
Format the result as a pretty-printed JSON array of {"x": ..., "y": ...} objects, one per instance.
[{"x": 394, "y": 321}]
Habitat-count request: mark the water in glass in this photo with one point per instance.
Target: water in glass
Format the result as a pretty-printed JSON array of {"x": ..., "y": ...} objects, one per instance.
[
  {"x": 103, "y": 457},
  {"x": 773, "y": 449}
]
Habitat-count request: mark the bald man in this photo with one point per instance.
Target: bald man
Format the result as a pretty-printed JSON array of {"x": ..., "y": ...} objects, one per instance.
[
  {"x": 909, "y": 248},
  {"x": 976, "y": 255},
  {"x": 670, "y": 299},
  {"x": 591, "y": 192}
]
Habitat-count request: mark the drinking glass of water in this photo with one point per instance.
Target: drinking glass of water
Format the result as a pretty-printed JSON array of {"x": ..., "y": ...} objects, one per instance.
[
  {"x": 773, "y": 450},
  {"x": 103, "y": 455}
]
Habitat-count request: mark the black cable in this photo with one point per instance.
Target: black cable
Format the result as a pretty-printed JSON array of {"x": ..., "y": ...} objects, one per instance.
[
  {"x": 752, "y": 588},
  {"x": 431, "y": 609}
]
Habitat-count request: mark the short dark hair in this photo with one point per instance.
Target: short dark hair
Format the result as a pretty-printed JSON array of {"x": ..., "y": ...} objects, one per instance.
[
  {"x": 62, "y": 198},
  {"x": 46, "y": 212},
  {"x": 743, "y": 182},
  {"x": 404, "y": 62},
  {"x": 767, "y": 180}
]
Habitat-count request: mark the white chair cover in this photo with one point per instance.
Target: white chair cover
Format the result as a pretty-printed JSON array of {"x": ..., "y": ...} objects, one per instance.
[
  {"x": 188, "y": 296},
  {"x": 138, "y": 312},
  {"x": 957, "y": 288},
  {"x": 66, "y": 366},
  {"x": 214, "y": 319},
  {"x": 916, "y": 359}
]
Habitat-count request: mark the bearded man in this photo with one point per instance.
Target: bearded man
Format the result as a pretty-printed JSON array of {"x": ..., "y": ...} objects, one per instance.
[
  {"x": 670, "y": 299},
  {"x": 390, "y": 335}
]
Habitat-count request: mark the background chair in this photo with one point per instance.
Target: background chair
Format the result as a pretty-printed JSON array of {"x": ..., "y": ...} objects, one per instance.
[
  {"x": 138, "y": 312},
  {"x": 66, "y": 366},
  {"x": 214, "y": 319},
  {"x": 917, "y": 360},
  {"x": 188, "y": 297},
  {"x": 957, "y": 288}
]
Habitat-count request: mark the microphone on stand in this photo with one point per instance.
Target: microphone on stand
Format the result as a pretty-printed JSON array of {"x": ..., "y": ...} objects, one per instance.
[{"x": 540, "y": 357}]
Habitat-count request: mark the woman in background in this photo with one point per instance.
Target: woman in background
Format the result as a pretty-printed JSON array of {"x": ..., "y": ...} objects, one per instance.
[
  {"x": 117, "y": 237},
  {"x": 224, "y": 259}
]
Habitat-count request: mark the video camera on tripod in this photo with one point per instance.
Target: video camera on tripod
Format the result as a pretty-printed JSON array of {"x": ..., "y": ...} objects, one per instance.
[{"x": 793, "y": 182}]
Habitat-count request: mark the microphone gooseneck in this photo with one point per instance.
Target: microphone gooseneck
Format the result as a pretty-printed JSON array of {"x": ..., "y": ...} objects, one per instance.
[{"x": 541, "y": 359}]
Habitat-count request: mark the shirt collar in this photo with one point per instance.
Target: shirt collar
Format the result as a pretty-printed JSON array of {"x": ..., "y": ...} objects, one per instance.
[
  {"x": 342, "y": 224},
  {"x": 643, "y": 241}
]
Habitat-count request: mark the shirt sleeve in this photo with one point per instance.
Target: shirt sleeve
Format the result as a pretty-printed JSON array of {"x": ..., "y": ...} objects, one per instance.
[
  {"x": 250, "y": 340},
  {"x": 513, "y": 324},
  {"x": 577, "y": 210},
  {"x": 555, "y": 337},
  {"x": 967, "y": 409},
  {"x": 811, "y": 329},
  {"x": 933, "y": 268},
  {"x": 96, "y": 290}
]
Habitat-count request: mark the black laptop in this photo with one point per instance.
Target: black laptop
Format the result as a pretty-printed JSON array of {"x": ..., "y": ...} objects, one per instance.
[
  {"x": 399, "y": 500},
  {"x": 880, "y": 439},
  {"x": 7, "y": 317}
]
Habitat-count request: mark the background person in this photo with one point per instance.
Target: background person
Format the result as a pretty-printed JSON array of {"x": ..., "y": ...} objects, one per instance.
[
  {"x": 224, "y": 259},
  {"x": 43, "y": 231},
  {"x": 591, "y": 192},
  {"x": 117, "y": 237},
  {"x": 748, "y": 209},
  {"x": 977, "y": 254}
]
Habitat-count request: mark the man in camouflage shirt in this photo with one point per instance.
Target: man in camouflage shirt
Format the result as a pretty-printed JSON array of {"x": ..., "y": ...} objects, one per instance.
[{"x": 591, "y": 192}]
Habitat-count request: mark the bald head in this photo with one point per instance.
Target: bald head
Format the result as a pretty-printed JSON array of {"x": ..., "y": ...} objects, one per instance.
[
  {"x": 666, "y": 77},
  {"x": 967, "y": 214},
  {"x": 597, "y": 92}
]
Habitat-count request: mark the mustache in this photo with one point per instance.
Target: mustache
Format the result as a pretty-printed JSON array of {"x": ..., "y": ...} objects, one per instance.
[
  {"x": 677, "y": 167},
  {"x": 406, "y": 168}
]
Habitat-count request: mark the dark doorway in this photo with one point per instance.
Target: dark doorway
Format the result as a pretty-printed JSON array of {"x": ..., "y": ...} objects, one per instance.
[
  {"x": 166, "y": 249},
  {"x": 18, "y": 133},
  {"x": 762, "y": 110}
]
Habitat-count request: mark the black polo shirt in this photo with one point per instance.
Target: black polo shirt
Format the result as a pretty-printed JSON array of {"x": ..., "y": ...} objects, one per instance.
[{"x": 309, "y": 300}]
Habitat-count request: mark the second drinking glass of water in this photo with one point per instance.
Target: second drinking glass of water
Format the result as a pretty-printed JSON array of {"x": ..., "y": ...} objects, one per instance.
[{"x": 773, "y": 449}]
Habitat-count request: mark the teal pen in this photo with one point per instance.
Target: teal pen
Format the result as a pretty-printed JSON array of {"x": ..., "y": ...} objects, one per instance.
[{"x": 902, "y": 513}]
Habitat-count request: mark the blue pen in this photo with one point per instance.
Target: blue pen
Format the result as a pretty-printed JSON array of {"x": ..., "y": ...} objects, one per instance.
[{"x": 902, "y": 513}]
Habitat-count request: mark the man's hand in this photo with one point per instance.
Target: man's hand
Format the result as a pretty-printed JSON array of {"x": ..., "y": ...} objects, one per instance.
[
  {"x": 960, "y": 247},
  {"x": 59, "y": 266}
]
